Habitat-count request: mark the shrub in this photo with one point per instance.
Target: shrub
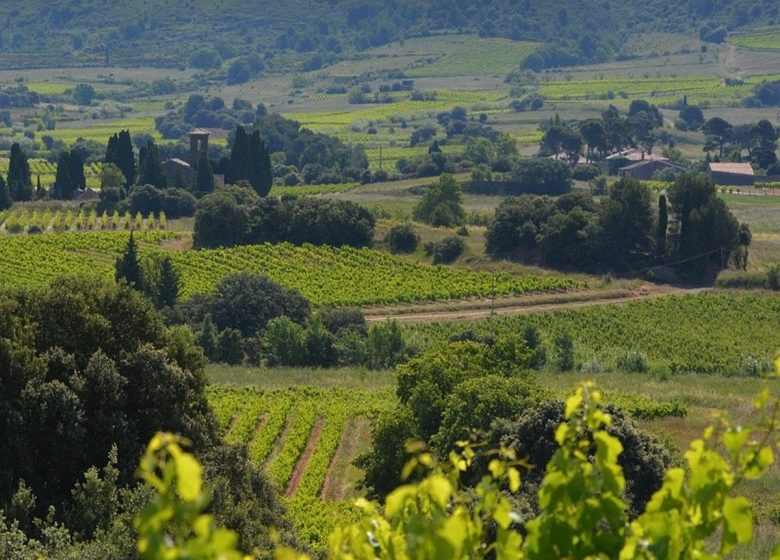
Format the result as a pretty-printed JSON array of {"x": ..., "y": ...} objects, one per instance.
[
  {"x": 773, "y": 277},
  {"x": 632, "y": 361},
  {"x": 563, "y": 355},
  {"x": 337, "y": 319},
  {"x": 284, "y": 342},
  {"x": 447, "y": 250},
  {"x": 585, "y": 171},
  {"x": 402, "y": 239}
]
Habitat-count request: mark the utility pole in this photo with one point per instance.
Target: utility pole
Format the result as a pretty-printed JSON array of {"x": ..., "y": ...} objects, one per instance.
[{"x": 380, "y": 156}]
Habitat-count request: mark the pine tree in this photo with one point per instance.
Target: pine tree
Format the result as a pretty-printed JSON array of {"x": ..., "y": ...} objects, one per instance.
[
  {"x": 169, "y": 285},
  {"x": 205, "y": 179},
  {"x": 63, "y": 185},
  {"x": 124, "y": 158},
  {"x": 150, "y": 170},
  {"x": 19, "y": 182},
  {"x": 5, "y": 195},
  {"x": 240, "y": 166},
  {"x": 76, "y": 169},
  {"x": 663, "y": 222},
  {"x": 261, "y": 177},
  {"x": 128, "y": 266}
]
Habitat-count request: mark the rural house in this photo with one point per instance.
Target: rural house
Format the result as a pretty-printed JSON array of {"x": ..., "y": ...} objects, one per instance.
[{"x": 732, "y": 174}]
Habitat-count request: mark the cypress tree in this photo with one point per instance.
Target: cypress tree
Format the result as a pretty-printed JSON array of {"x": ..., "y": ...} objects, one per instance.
[
  {"x": 5, "y": 195},
  {"x": 169, "y": 284},
  {"x": 63, "y": 184},
  {"x": 663, "y": 222},
  {"x": 124, "y": 157},
  {"x": 205, "y": 180},
  {"x": 262, "y": 176},
  {"x": 111, "y": 149},
  {"x": 150, "y": 170},
  {"x": 19, "y": 182},
  {"x": 76, "y": 169},
  {"x": 240, "y": 166},
  {"x": 128, "y": 267},
  {"x": 40, "y": 194}
]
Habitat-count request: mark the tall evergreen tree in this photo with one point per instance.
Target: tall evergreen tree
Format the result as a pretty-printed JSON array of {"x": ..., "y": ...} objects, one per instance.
[
  {"x": 240, "y": 166},
  {"x": 128, "y": 266},
  {"x": 169, "y": 284},
  {"x": 76, "y": 169},
  {"x": 150, "y": 169},
  {"x": 5, "y": 195},
  {"x": 19, "y": 182},
  {"x": 205, "y": 179},
  {"x": 124, "y": 158},
  {"x": 63, "y": 184},
  {"x": 663, "y": 223},
  {"x": 261, "y": 177},
  {"x": 40, "y": 194},
  {"x": 111, "y": 149}
]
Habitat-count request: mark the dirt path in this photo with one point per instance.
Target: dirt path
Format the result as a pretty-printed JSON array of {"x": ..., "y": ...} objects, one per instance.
[
  {"x": 355, "y": 434},
  {"x": 305, "y": 458},
  {"x": 518, "y": 307}
]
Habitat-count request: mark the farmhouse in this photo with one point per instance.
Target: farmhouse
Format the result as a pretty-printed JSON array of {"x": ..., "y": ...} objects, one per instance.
[
  {"x": 646, "y": 170},
  {"x": 180, "y": 172},
  {"x": 615, "y": 162},
  {"x": 732, "y": 174}
]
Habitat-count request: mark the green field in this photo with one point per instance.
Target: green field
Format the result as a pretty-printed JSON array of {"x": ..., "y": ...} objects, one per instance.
[
  {"x": 473, "y": 56},
  {"x": 325, "y": 275},
  {"x": 767, "y": 38},
  {"x": 728, "y": 333}
]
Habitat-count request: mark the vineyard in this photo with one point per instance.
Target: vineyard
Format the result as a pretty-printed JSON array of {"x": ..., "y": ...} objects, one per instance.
[
  {"x": 48, "y": 220},
  {"x": 763, "y": 39},
  {"x": 325, "y": 275},
  {"x": 307, "y": 438},
  {"x": 709, "y": 333},
  {"x": 47, "y": 171},
  {"x": 695, "y": 87},
  {"x": 300, "y": 436}
]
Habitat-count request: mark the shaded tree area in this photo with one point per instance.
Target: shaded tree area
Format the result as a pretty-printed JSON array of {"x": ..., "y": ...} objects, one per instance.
[
  {"x": 486, "y": 389},
  {"x": 237, "y": 216},
  {"x": 623, "y": 231},
  {"x": 90, "y": 373}
]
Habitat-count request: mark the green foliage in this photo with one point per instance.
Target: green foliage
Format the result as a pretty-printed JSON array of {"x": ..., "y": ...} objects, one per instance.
[
  {"x": 720, "y": 330},
  {"x": 402, "y": 239},
  {"x": 128, "y": 266},
  {"x": 173, "y": 525},
  {"x": 540, "y": 176},
  {"x": 447, "y": 250},
  {"x": 442, "y": 204}
]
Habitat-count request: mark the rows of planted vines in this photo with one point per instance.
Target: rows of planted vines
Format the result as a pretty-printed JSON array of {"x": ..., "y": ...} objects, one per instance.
[
  {"x": 47, "y": 220},
  {"x": 277, "y": 426},
  {"x": 728, "y": 333},
  {"x": 325, "y": 275},
  {"x": 34, "y": 260},
  {"x": 345, "y": 275}
]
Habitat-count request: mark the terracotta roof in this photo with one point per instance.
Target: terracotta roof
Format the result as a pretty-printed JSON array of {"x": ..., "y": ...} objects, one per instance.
[
  {"x": 198, "y": 131},
  {"x": 735, "y": 168}
]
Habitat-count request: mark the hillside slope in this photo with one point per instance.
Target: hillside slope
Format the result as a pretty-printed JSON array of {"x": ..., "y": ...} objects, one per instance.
[{"x": 78, "y": 32}]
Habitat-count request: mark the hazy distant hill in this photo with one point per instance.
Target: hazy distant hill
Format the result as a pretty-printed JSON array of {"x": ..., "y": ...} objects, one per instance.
[{"x": 209, "y": 33}]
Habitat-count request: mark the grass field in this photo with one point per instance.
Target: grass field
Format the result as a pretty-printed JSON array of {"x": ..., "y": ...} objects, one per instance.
[{"x": 767, "y": 38}]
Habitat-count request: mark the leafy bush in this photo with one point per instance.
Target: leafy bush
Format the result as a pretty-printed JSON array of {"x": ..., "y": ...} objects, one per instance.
[
  {"x": 402, "y": 239},
  {"x": 585, "y": 171},
  {"x": 447, "y": 250}
]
